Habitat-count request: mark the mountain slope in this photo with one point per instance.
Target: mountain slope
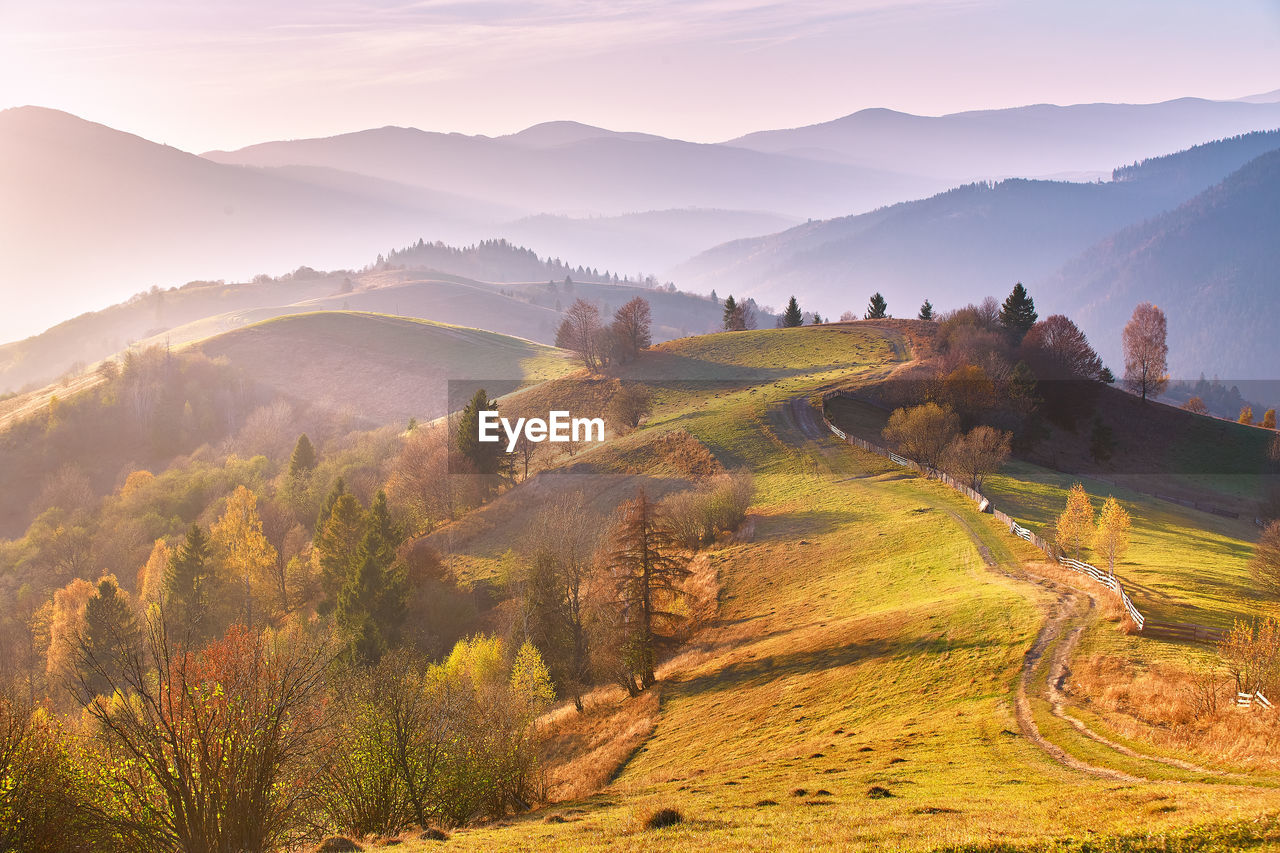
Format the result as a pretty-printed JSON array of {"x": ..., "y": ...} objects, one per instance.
[
  {"x": 963, "y": 244},
  {"x": 89, "y": 215},
  {"x": 377, "y": 368},
  {"x": 1038, "y": 140},
  {"x": 1212, "y": 265},
  {"x": 575, "y": 169}
]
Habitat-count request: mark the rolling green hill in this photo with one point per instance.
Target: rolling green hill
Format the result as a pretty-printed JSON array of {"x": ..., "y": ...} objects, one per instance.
[
  {"x": 875, "y": 677},
  {"x": 379, "y": 369}
]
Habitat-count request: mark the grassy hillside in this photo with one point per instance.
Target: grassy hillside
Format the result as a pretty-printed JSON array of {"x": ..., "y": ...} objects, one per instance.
[
  {"x": 378, "y": 368},
  {"x": 859, "y": 686}
]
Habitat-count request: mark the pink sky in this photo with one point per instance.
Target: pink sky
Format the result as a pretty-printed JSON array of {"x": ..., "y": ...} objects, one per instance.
[{"x": 219, "y": 75}]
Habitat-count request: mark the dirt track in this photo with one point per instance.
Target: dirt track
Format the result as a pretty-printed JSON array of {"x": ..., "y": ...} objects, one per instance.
[{"x": 1064, "y": 623}]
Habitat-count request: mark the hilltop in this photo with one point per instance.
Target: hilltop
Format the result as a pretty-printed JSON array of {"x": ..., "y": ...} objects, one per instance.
[{"x": 375, "y": 368}]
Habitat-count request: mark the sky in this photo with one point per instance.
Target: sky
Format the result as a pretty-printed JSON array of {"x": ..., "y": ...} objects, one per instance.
[{"x": 227, "y": 73}]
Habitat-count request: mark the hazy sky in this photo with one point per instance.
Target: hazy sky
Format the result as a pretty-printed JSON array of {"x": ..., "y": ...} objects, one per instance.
[{"x": 200, "y": 75}]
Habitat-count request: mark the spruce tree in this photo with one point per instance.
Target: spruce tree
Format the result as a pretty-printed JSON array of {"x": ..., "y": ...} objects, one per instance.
[
  {"x": 372, "y": 604},
  {"x": 926, "y": 310},
  {"x": 188, "y": 585},
  {"x": 1018, "y": 313},
  {"x": 792, "y": 317},
  {"x": 486, "y": 457},
  {"x": 877, "y": 308},
  {"x": 337, "y": 544},
  {"x": 303, "y": 459},
  {"x": 109, "y": 633},
  {"x": 730, "y": 313}
]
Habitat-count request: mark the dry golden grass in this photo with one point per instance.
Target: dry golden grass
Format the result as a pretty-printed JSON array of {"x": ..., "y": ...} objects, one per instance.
[
  {"x": 582, "y": 752},
  {"x": 1165, "y": 704}
]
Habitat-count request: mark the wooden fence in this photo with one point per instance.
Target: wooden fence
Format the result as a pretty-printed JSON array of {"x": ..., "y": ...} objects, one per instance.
[
  {"x": 1106, "y": 579},
  {"x": 1248, "y": 700}
]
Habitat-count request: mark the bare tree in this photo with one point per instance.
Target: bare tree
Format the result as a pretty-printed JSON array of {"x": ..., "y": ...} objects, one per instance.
[
  {"x": 631, "y": 327},
  {"x": 210, "y": 751},
  {"x": 980, "y": 452},
  {"x": 1056, "y": 348},
  {"x": 580, "y": 332},
  {"x": 1146, "y": 351},
  {"x": 1265, "y": 565}
]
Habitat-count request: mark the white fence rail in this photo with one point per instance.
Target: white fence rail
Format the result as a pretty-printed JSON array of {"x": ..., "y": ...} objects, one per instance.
[
  {"x": 1249, "y": 700},
  {"x": 1106, "y": 579}
]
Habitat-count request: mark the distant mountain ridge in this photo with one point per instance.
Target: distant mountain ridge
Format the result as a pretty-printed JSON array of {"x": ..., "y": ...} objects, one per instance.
[
  {"x": 963, "y": 244},
  {"x": 1030, "y": 141},
  {"x": 1212, "y": 264}
]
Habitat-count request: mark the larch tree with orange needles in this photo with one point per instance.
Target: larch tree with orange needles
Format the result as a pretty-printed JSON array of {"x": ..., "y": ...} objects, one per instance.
[
  {"x": 1075, "y": 524},
  {"x": 649, "y": 570},
  {"x": 1112, "y": 537}
]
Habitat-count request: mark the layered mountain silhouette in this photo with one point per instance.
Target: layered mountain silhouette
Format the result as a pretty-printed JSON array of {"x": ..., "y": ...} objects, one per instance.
[
  {"x": 1042, "y": 140},
  {"x": 1212, "y": 264},
  {"x": 964, "y": 244}
]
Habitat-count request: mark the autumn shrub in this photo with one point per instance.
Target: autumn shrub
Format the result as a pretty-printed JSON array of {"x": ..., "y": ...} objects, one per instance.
[
  {"x": 46, "y": 787},
  {"x": 696, "y": 517}
]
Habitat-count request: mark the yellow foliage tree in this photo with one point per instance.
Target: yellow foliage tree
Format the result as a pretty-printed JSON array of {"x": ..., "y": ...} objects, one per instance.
[
  {"x": 66, "y": 622},
  {"x": 135, "y": 481},
  {"x": 151, "y": 575},
  {"x": 1269, "y": 419},
  {"x": 1112, "y": 537},
  {"x": 1075, "y": 524},
  {"x": 1246, "y": 415},
  {"x": 243, "y": 549}
]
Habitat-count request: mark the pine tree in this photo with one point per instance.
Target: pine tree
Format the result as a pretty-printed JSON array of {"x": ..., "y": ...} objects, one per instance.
[
  {"x": 1018, "y": 314},
  {"x": 189, "y": 585},
  {"x": 109, "y": 633},
  {"x": 877, "y": 308},
  {"x": 730, "y": 313},
  {"x": 326, "y": 508},
  {"x": 486, "y": 457},
  {"x": 649, "y": 568},
  {"x": 373, "y": 602},
  {"x": 926, "y": 310},
  {"x": 303, "y": 459},
  {"x": 336, "y": 547},
  {"x": 792, "y": 316}
]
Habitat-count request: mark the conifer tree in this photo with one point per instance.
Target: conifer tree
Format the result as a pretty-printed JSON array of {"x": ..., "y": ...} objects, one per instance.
[
  {"x": 336, "y": 547},
  {"x": 877, "y": 308},
  {"x": 303, "y": 459},
  {"x": 792, "y": 316},
  {"x": 488, "y": 458},
  {"x": 1269, "y": 419},
  {"x": 109, "y": 634},
  {"x": 730, "y": 313},
  {"x": 372, "y": 604},
  {"x": 189, "y": 585},
  {"x": 926, "y": 310},
  {"x": 650, "y": 569},
  {"x": 1018, "y": 313}
]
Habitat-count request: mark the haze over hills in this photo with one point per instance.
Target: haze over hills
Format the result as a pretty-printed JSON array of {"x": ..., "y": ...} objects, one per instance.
[
  {"x": 969, "y": 242},
  {"x": 377, "y": 368},
  {"x": 565, "y": 168},
  {"x": 1213, "y": 265},
  {"x": 493, "y": 285},
  {"x": 95, "y": 214},
  {"x": 1030, "y": 141}
]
